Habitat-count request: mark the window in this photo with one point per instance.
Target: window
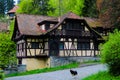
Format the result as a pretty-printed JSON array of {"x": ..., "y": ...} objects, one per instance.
[
  {"x": 34, "y": 45},
  {"x": 74, "y": 25},
  {"x": 83, "y": 45},
  {"x": 96, "y": 46},
  {"x": 11, "y": 14},
  {"x": 47, "y": 26},
  {"x": 61, "y": 45}
]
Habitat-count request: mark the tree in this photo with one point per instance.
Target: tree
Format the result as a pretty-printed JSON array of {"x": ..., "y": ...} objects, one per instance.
[
  {"x": 110, "y": 53},
  {"x": 1, "y": 8},
  {"x": 38, "y": 7},
  {"x": 58, "y": 7},
  {"x": 90, "y": 9},
  {"x": 7, "y": 49},
  {"x": 61, "y": 7},
  {"x": 109, "y": 11},
  {"x": 5, "y": 6}
]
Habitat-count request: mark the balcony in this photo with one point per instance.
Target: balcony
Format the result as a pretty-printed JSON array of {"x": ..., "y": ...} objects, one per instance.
[{"x": 73, "y": 33}]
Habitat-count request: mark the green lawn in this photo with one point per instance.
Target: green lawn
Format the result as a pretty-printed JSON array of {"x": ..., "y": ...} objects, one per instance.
[
  {"x": 68, "y": 66},
  {"x": 72, "y": 65},
  {"x": 102, "y": 76}
]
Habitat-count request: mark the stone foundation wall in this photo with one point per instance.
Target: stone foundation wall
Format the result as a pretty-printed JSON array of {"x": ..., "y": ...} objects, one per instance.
[
  {"x": 58, "y": 61},
  {"x": 18, "y": 68}
]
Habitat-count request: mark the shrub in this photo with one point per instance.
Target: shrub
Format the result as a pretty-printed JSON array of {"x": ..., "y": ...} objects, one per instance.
[
  {"x": 110, "y": 53},
  {"x": 1, "y": 75}
]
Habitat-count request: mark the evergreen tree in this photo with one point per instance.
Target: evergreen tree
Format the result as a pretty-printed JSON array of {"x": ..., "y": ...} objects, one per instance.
[
  {"x": 2, "y": 9},
  {"x": 5, "y": 6},
  {"x": 90, "y": 9}
]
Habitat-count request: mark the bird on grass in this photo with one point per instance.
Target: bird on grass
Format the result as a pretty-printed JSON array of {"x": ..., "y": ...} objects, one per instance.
[{"x": 73, "y": 72}]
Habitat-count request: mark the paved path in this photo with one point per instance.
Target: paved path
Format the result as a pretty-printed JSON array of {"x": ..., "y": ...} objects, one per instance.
[{"x": 63, "y": 74}]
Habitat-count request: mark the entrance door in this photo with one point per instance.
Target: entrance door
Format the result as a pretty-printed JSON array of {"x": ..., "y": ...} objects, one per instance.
[{"x": 54, "y": 48}]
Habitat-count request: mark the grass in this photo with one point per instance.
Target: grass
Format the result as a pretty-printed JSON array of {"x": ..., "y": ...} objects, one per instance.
[
  {"x": 104, "y": 75},
  {"x": 72, "y": 65},
  {"x": 68, "y": 66}
]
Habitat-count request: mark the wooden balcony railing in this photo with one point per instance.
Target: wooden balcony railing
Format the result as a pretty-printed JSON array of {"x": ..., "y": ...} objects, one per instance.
[{"x": 73, "y": 33}]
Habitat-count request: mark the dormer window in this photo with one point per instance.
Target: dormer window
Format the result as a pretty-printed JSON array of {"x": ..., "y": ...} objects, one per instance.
[
  {"x": 11, "y": 14},
  {"x": 45, "y": 25}
]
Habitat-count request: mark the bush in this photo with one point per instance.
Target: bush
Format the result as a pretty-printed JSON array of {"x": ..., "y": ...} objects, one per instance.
[
  {"x": 7, "y": 48},
  {"x": 110, "y": 53},
  {"x": 1, "y": 75}
]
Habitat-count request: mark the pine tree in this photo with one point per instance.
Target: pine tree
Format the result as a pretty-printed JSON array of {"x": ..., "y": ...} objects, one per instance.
[
  {"x": 90, "y": 9},
  {"x": 2, "y": 9},
  {"x": 5, "y": 6}
]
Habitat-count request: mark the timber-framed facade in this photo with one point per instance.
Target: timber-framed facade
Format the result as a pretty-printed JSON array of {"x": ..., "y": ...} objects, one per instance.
[{"x": 39, "y": 37}]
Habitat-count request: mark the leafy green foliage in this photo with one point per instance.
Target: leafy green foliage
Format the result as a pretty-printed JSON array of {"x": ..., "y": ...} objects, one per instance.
[
  {"x": 58, "y": 7},
  {"x": 63, "y": 6},
  {"x": 3, "y": 18},
  {"x": 110, "y": 53},
  {"x": 7, "y": 50},
  {"x": 2, "y": 76},
  {"x": 37, "y": 7},
  {"x": 104, "y": 75}
]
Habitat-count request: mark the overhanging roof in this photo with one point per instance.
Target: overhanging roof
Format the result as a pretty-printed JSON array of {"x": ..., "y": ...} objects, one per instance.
[{"x": 28, "y": 24}]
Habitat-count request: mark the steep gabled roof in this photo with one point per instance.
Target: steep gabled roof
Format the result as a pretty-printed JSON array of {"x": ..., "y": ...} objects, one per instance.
[
  {"x": 93, "y": 22},
  {"x": 28, "y": 24},
  {"x": 69, "y": 15},
  {"x": 73, "y": 16}
]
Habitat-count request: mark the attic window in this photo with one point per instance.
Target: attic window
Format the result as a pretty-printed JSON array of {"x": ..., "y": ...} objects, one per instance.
[
  {"x": 74, "y": 26},
  {"x": 45, "y": 27},
  {"x": 11, "y": 14}
]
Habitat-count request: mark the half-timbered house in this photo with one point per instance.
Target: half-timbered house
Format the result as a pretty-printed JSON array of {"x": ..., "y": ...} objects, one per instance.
[{"x": 40, "y": 37}]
